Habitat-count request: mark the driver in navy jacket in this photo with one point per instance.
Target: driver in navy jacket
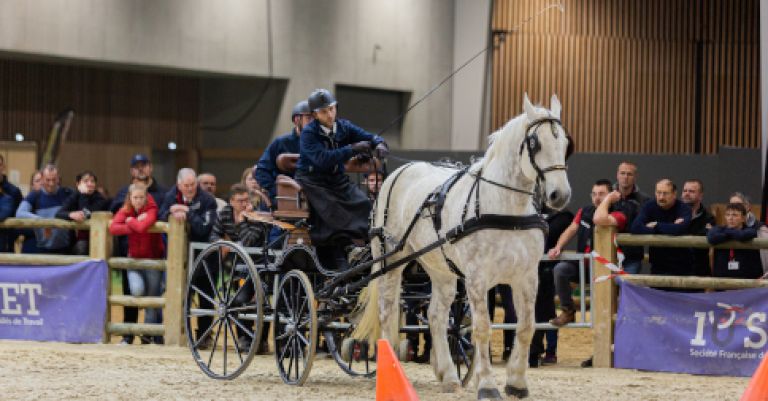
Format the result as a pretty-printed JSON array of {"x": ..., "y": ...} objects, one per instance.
[{"x": 338, "y": 209}]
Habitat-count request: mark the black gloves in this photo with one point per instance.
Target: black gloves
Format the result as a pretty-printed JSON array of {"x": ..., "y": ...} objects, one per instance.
[
  {"x": 361, "y": 147},
  {"x": 381, "y": 152}
]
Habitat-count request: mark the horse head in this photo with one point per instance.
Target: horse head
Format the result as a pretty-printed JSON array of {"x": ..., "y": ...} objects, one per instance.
[{"x": 543, "y": 152}]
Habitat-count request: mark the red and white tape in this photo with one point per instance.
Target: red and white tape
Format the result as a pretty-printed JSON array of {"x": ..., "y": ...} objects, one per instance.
[{"x": 616, "y": 270}]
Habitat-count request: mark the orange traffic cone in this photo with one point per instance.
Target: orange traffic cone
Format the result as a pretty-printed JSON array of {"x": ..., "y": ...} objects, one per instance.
[
  {"x": 757, "y": 390},
  {"x": 391, "y": 383}
]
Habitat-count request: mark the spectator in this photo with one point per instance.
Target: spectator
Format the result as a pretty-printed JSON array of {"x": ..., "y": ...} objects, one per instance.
[
  {"x": 266, "y": 170},
  {"x": 30, "y": 241},
  {"x": 8, "y": 237},
  {"x": 79, "y": 206},
  {"x": 44, "y": 204},
  {"x": 36, "y": 181},
  {"x": 735, "y": 263},
  {"x": 259, "y": 199},
  {"x": 567, "y": 271},
  {"x": 133, "y": 220},
  {"x": 669, "y": 216},
  {"x": 373, "y": 184},
  {"x": 207, "y": 183},
  {"x": 141, "y": 174},
  {"x": 701, "y": 221},
  {"x": 631, "y": 200},
  {"x": 6, "y": 210},
  {"x": 751, "y": 220},
  {"x": 187, "y": 202},
  {"x": 9, "y": 189},
  {"x": 232, "y": 225}
]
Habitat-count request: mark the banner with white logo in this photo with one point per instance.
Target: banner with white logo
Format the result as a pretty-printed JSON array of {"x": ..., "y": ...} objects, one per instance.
[
  {"x": 54, "y": 303},
  {"x": 719, "y": 333}
]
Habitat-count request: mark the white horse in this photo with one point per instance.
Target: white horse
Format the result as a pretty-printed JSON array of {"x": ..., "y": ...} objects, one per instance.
[{"x": 486, "y": 257}]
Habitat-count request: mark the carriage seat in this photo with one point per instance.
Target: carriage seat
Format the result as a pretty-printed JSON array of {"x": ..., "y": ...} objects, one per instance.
[{"x": 291, "y": 202}]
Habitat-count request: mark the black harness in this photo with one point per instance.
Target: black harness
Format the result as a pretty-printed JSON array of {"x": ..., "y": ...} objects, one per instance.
[{"x": 434, "y": 203}]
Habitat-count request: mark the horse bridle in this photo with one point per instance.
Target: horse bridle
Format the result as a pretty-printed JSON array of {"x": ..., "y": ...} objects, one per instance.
[{"x": 533, "y": 145}]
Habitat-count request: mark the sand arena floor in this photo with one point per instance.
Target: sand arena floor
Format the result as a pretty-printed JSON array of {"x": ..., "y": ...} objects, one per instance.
[{"x": 55, "y": 371}]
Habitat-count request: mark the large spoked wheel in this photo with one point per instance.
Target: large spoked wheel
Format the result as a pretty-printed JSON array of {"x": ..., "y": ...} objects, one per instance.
[
  {"x": 460, "y": 339},
  {"x": 355, "y": 357},
  {"x": 224, "y": 310},
  {"x": 295, "y": 322}
]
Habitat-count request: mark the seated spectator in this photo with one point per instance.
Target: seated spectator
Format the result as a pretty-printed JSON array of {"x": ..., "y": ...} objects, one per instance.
[
  {"x": 567, "y": 271},
  {"x": 44, "y": 204},
  {"x": 669, "y": 216},
  {"x": 701, "y": 222},
  {"x": 232, "y": 225},
  {"x": 134, "y": 219},
  {"x": 79, "y": 206},
  {"x": 259, "y": 199},
  {"x": 207, "y": 183},
  {"x": 736, "y": 263}
]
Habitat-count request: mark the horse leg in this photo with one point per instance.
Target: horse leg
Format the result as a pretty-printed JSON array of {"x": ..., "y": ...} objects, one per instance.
[
  {"x": 477, "y": 294},
  {"x": 443, "y": 293},
  {"x": 524, "y": 297}
]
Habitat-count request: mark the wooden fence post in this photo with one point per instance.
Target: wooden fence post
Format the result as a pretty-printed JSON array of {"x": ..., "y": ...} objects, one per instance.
[
  {"x": 100, "y": 244},
  {"x": 604, "y": 299},
  {"x": 176, "y": 279}
]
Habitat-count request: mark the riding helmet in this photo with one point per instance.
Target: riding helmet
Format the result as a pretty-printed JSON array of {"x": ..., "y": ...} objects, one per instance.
[
  {"x": 320, "y": 99},
  {"x": 300, "y": 108}
]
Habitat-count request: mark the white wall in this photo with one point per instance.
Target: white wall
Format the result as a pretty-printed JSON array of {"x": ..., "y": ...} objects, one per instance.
[
  {"x": 470, "y": 36},
  {"x": 314, "y": 44}
]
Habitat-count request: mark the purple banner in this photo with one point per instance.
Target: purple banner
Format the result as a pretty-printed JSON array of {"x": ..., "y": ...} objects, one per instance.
[
  {"x": 54, "y": 303},
  {"x": 720, "y": 333}
]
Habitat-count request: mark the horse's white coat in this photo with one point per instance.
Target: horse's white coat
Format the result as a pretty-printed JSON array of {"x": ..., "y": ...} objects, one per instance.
[{"x": 487, "y": 257}]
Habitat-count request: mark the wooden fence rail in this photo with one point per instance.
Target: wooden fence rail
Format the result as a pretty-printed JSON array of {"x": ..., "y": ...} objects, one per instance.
[
  {"x": 101, "y": 248},
  {"x": 604, "y": 293}
]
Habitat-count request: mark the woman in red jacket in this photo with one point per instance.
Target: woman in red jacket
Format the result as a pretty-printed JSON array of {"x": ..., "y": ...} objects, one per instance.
[{"x": 134, "y": 219}]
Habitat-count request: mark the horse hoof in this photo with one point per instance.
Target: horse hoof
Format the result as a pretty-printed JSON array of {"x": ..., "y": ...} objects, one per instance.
[
  {"x": 517, "y": 392},
  {"x": 488, "y": 394},
  {"x": 450, "y": 387}
]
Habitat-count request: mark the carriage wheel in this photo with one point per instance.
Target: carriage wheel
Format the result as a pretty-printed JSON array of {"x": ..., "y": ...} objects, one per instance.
[
  {"x": 224, "y": 289},
  {"x": 355, "y": 357},
  {"x": 460, "y": 339},
  {"x": 295, "y": 322}
]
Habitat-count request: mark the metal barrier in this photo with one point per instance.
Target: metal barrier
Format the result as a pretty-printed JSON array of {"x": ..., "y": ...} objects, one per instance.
[{"x": 100, "y": 247}]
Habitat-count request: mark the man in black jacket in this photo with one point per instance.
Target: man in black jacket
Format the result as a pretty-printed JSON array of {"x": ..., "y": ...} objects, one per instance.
[{"x": 15, "y": 193}]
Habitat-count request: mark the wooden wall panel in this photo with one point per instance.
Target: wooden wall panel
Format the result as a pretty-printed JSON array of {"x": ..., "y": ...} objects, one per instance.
[
  {"x": 657, "y": 76},
  {"x": 117, "y": 107}
]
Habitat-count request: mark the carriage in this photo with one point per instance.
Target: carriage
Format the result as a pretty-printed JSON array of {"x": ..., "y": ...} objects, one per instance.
[
  {"x": 469, "y": 228},
  {"x": 284, "y": 284}
]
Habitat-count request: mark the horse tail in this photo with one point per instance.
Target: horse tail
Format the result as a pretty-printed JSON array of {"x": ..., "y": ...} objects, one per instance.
[{"x": 368, "y": 327}]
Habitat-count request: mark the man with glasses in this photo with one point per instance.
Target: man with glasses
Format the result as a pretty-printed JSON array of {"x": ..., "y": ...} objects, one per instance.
[{"x": 266, "y": 171}]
